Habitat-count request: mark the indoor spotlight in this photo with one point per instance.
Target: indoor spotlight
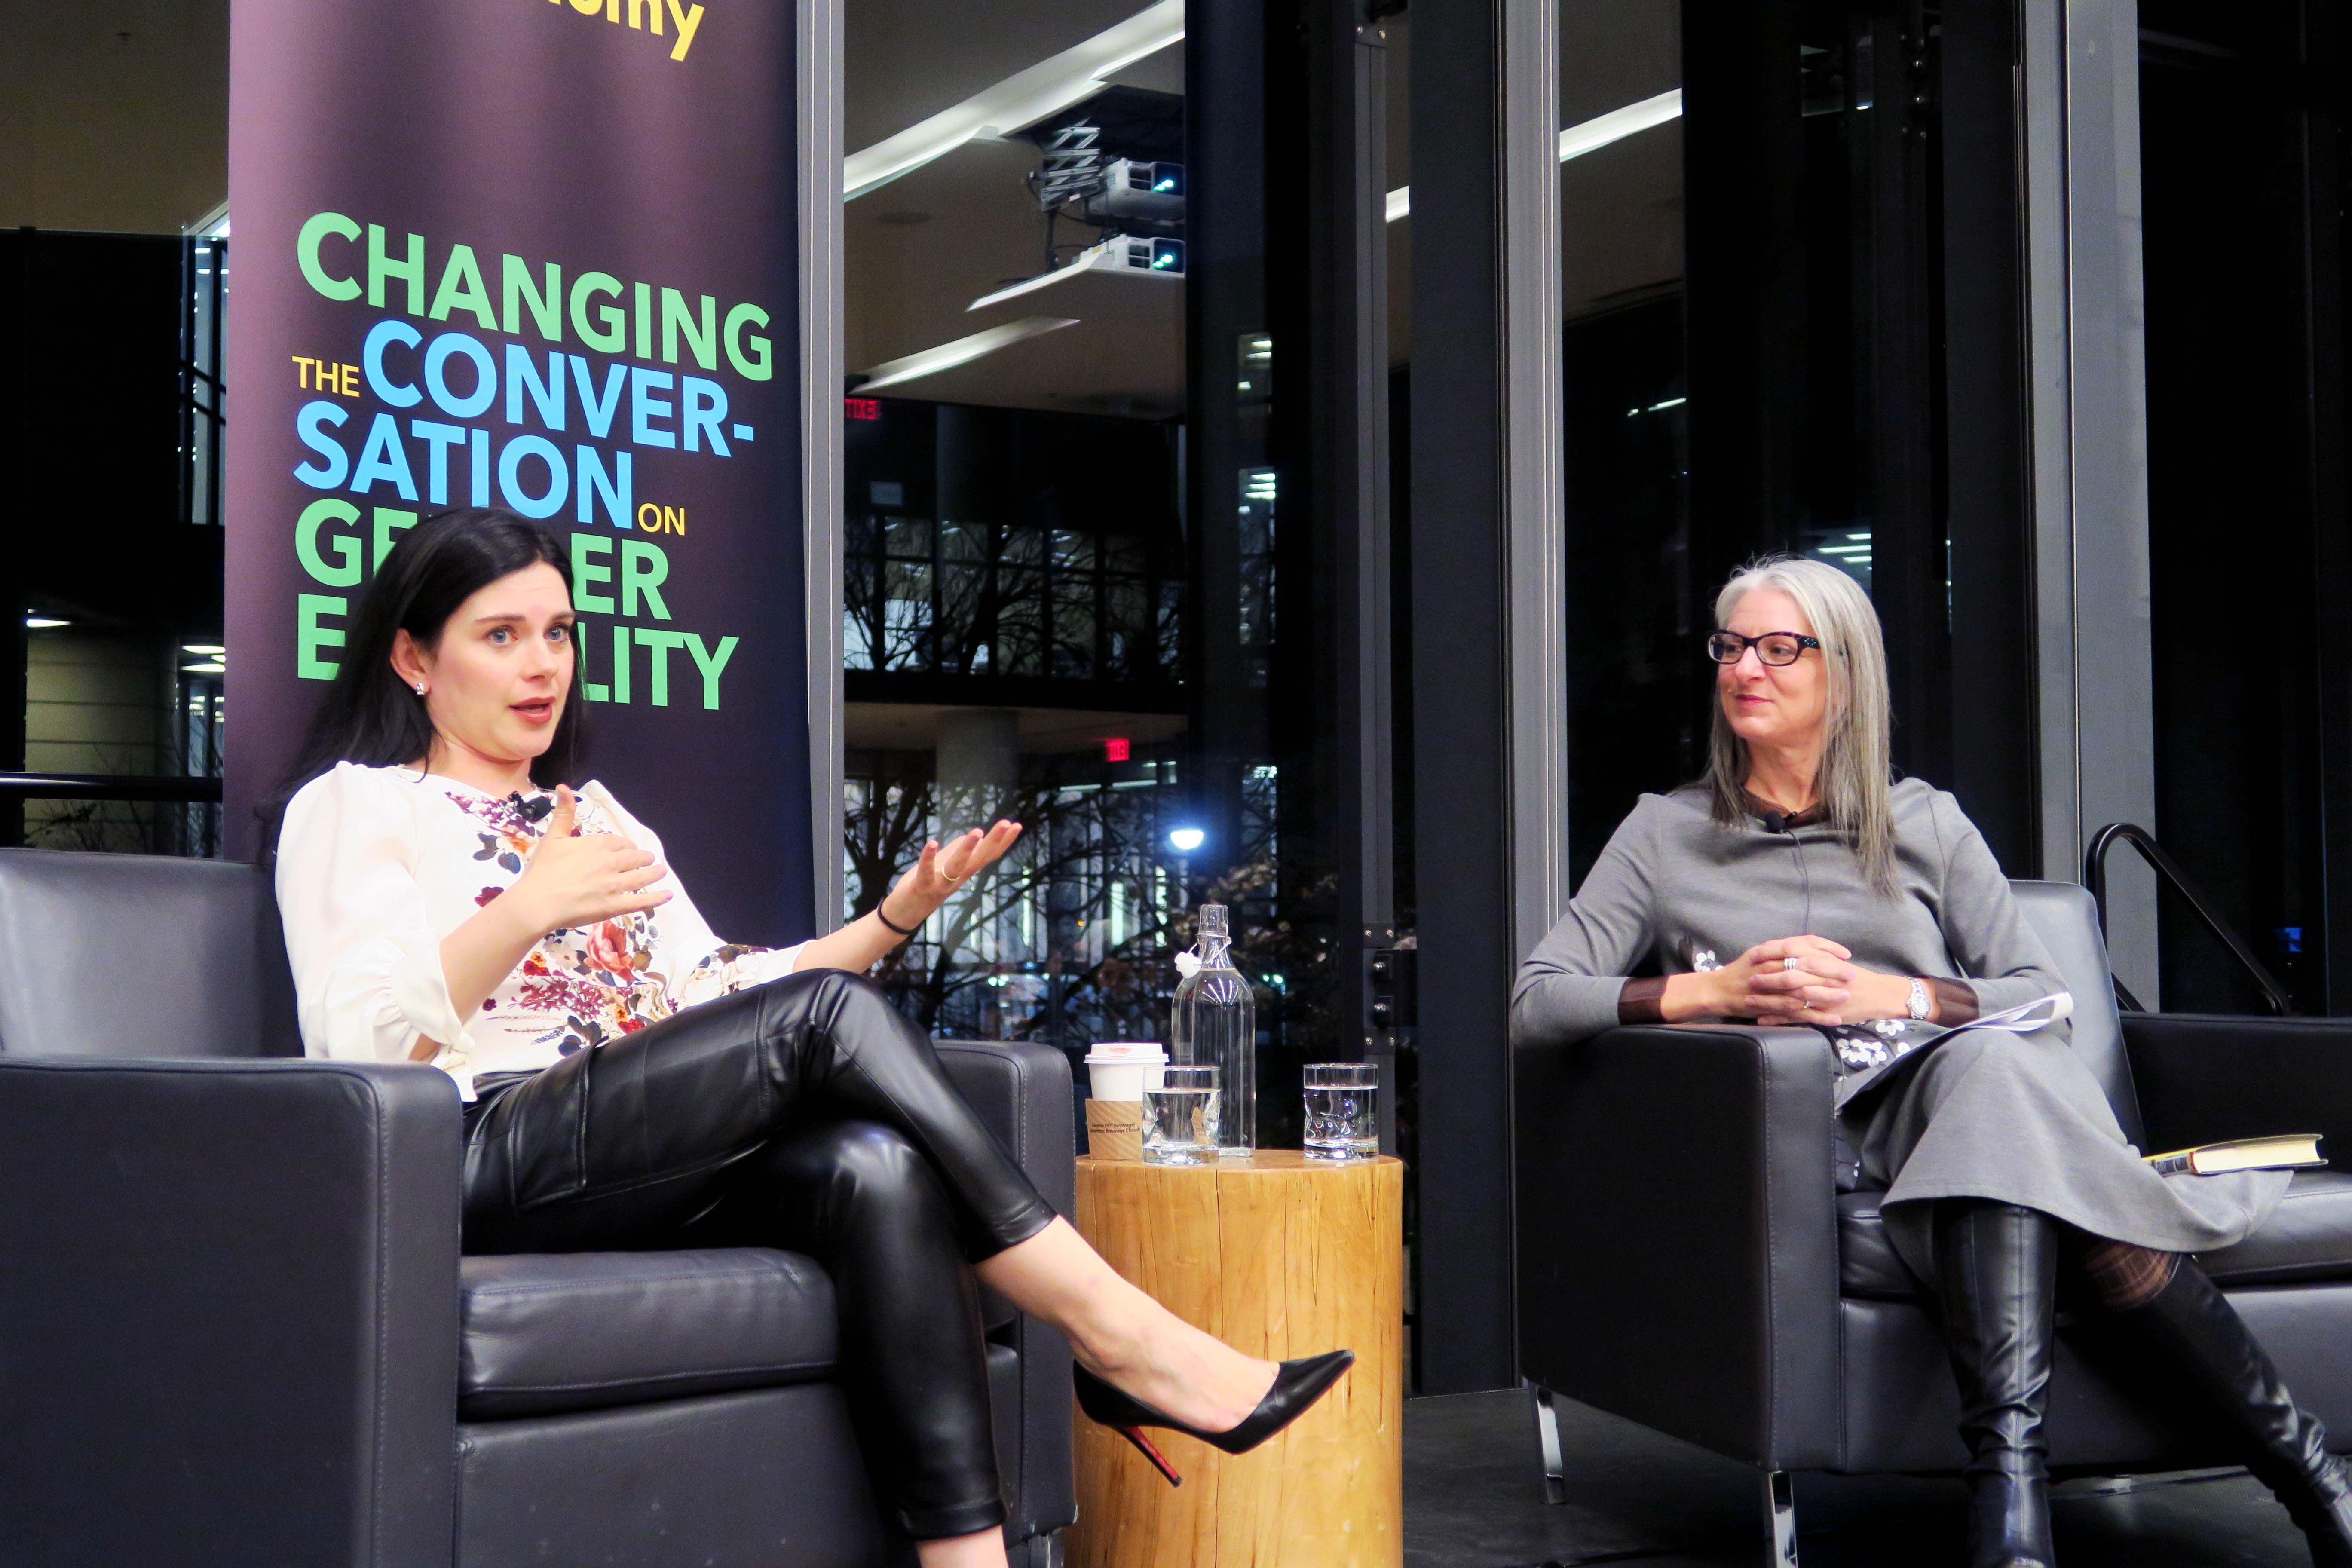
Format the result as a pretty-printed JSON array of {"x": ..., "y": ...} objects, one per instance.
[{"x": 1184, "y": 840}]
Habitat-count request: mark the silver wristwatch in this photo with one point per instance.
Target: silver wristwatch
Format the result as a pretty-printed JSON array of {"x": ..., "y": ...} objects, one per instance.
[{"x": 1919, "y": 999}]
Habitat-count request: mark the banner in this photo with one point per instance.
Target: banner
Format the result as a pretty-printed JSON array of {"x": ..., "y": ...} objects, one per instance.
[{"x": 540, "y": 254}]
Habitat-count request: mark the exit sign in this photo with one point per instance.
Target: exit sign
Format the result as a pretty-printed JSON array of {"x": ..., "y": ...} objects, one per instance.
[
  {"x": 861, "y": 407},
  {"x": 1115, "y": 751}
]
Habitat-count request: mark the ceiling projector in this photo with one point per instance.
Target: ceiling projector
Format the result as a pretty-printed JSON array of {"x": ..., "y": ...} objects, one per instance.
[{"x": 1151, "y": 192}]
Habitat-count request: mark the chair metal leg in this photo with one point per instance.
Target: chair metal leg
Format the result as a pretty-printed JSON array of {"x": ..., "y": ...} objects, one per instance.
[
  {"x": 1781, "y": 1508},
  {"x": 1555, "y": 1470}
]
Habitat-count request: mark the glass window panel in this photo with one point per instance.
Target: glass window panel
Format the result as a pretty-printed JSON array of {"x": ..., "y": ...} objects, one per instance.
[
  {"x": 1074, "y": 552},
  {"x": 963, "y": 541},
  {"x": 1128, "y": 639},
  {"x": 861, "y": 613},
  {"x": 963, "y": 636},
  {"x": 1074, "y": 628},
  {"x": 1020, "y": 645},
  {"x": 909, "y": 536},
  {"x": 861, "y": 535},
  {"x": 1171, "y": 631},
  {"x": 1121, "y": 552},
  {"x": 1635, "y": 672},
  {"x": 906, "y": 639},
  {"x": 1026, "y": 545}
]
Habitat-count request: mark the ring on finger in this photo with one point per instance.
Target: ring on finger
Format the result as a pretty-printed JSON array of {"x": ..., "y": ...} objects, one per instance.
[{"x": 1789, "y": 962}]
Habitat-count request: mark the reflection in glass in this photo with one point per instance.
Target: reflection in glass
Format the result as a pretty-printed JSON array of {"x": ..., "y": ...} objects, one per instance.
[{"x": 1632, "y": 672}]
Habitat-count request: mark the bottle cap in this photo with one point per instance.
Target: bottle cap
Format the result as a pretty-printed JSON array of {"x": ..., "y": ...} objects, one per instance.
[{"x": 1212, "y": 919}]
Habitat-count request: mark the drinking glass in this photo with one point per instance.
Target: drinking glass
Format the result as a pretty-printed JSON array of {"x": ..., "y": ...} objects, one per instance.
[
  {"x": 1341, "y": 1098},
  {"x": 1180, "y": 1118}
]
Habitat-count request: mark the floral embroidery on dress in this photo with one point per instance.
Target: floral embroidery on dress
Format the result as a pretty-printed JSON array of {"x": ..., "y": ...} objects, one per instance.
[
  {"x": 599, "y": 980},
  {"x": 719, "y": 972},
  {"x": 509, "y": 839},
  {"x": 584, "y": 986}
]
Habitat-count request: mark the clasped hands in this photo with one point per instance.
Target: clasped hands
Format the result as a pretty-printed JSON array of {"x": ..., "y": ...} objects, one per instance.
[{"x": 1823, "y": 986}]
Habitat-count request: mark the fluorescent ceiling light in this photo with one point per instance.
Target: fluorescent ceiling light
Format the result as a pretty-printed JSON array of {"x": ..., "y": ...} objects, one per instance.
[
  {"x": 212, "y": 650},
  {"x": 1578, "y": 140},
  {"x": 1021, "y": 100},
  {"x": 962, "y": 350},
  {"x": 1030, "y": 284},
  {"x": 216, "y": 668},
  {"x": 43, "y": 623},
  {"x": 1618, "y": 124}
]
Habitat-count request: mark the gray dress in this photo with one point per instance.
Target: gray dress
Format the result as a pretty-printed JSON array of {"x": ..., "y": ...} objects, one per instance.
[{"x": 2016, "y": 1118}]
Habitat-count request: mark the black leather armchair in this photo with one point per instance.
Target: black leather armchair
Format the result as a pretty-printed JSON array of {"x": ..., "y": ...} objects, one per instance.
[
  {"x": 1686, "y": 1261},
  {"x": 234, "y": 1326}
]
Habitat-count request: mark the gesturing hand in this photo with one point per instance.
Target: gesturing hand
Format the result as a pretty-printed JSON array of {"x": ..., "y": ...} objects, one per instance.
[
  {"x": 940, "y": 871},
  {"x": 574, "y": 878}
]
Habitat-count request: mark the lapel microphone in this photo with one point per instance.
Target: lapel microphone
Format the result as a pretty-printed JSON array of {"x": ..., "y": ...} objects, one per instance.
[
  {"x": 1778, "y": 822},
  {"x": 534, "y": 810}
]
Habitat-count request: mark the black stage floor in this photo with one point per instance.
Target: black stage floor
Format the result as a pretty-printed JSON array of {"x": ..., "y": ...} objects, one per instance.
[{"x": 1473, "y": 1500}]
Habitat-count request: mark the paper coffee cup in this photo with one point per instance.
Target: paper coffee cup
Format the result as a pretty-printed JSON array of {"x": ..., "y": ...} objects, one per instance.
[
  {"x": 1123, "y": 1070},
  {"x": 1115, "y": 1129}
]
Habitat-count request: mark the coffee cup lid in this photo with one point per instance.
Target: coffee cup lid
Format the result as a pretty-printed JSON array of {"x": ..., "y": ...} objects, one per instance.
[{"x": 1112, "y": 1051}]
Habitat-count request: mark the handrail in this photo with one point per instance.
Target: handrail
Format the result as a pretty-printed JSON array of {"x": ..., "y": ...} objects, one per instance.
[
  {"x": 2094, "y": 878},
  {"x": 109, "y": 786}
]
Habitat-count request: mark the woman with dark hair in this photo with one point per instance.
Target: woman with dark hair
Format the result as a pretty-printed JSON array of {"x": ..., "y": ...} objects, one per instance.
[
  {"x": 630, "y": 1081},
  {"x": 1796, "y": 885}
]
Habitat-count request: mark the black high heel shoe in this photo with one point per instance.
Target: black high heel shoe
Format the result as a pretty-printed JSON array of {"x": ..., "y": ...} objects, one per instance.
[{"x": 1296, "y": 1386}]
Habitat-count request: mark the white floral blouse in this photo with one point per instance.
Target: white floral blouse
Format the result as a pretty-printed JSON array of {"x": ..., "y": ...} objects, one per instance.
[{"x": 375, "y": 866}]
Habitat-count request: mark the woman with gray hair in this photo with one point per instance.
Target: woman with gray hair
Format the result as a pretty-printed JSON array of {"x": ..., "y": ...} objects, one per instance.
[{"x": 1795, "y": 885}]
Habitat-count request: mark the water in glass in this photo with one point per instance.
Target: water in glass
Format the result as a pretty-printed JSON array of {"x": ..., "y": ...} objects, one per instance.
[
  {"x": 1180, "y": 1118},
  {"x": 1214, "y": 1023},
  {"x": 1341, "y": 1100}
]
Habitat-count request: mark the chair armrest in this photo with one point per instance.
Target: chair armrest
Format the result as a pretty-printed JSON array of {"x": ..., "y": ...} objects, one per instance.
[
  {"x": 1677, "y": 1234},
  {"x": 233, "y": 1327},
  {"x": 2202, "y": 1080},
  {"x": 1022, "y": 1090}
]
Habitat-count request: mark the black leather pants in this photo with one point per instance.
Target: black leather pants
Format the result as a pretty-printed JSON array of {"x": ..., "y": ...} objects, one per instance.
[{"x": 808, "y": 1114}]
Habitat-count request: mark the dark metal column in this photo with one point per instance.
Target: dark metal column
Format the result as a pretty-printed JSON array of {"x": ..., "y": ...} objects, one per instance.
[
  {"x": 1894, "y": 328},
  {"x": 2322, "y": 186},
  {"x": 1461, "y": 669},
  {"x": 1225, "y": 154},
  {"x": 17, "y": 359},
  {"x": 1986, "y": 435},
  {"x": 1347, "y": 462}
]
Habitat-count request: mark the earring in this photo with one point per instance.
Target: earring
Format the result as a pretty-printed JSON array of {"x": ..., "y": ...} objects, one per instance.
[{"x": 420, "y": 689}]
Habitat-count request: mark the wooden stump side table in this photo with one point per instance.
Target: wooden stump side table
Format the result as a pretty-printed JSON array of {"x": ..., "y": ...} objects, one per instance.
[{"x": 1279, "y": 1255}]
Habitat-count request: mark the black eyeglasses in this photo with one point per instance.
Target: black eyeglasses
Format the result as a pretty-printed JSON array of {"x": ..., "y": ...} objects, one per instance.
[{"x": 1773, "y": 648}]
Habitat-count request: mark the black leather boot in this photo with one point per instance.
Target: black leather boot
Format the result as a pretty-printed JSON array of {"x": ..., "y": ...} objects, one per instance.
[
  {"x": 2192, "y": 1338},
  {"x": 1998, "y": 1267}
]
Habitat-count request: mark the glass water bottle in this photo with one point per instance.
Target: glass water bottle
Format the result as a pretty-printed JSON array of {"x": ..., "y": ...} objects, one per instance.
[{"x": 1215, "y": 1024}]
